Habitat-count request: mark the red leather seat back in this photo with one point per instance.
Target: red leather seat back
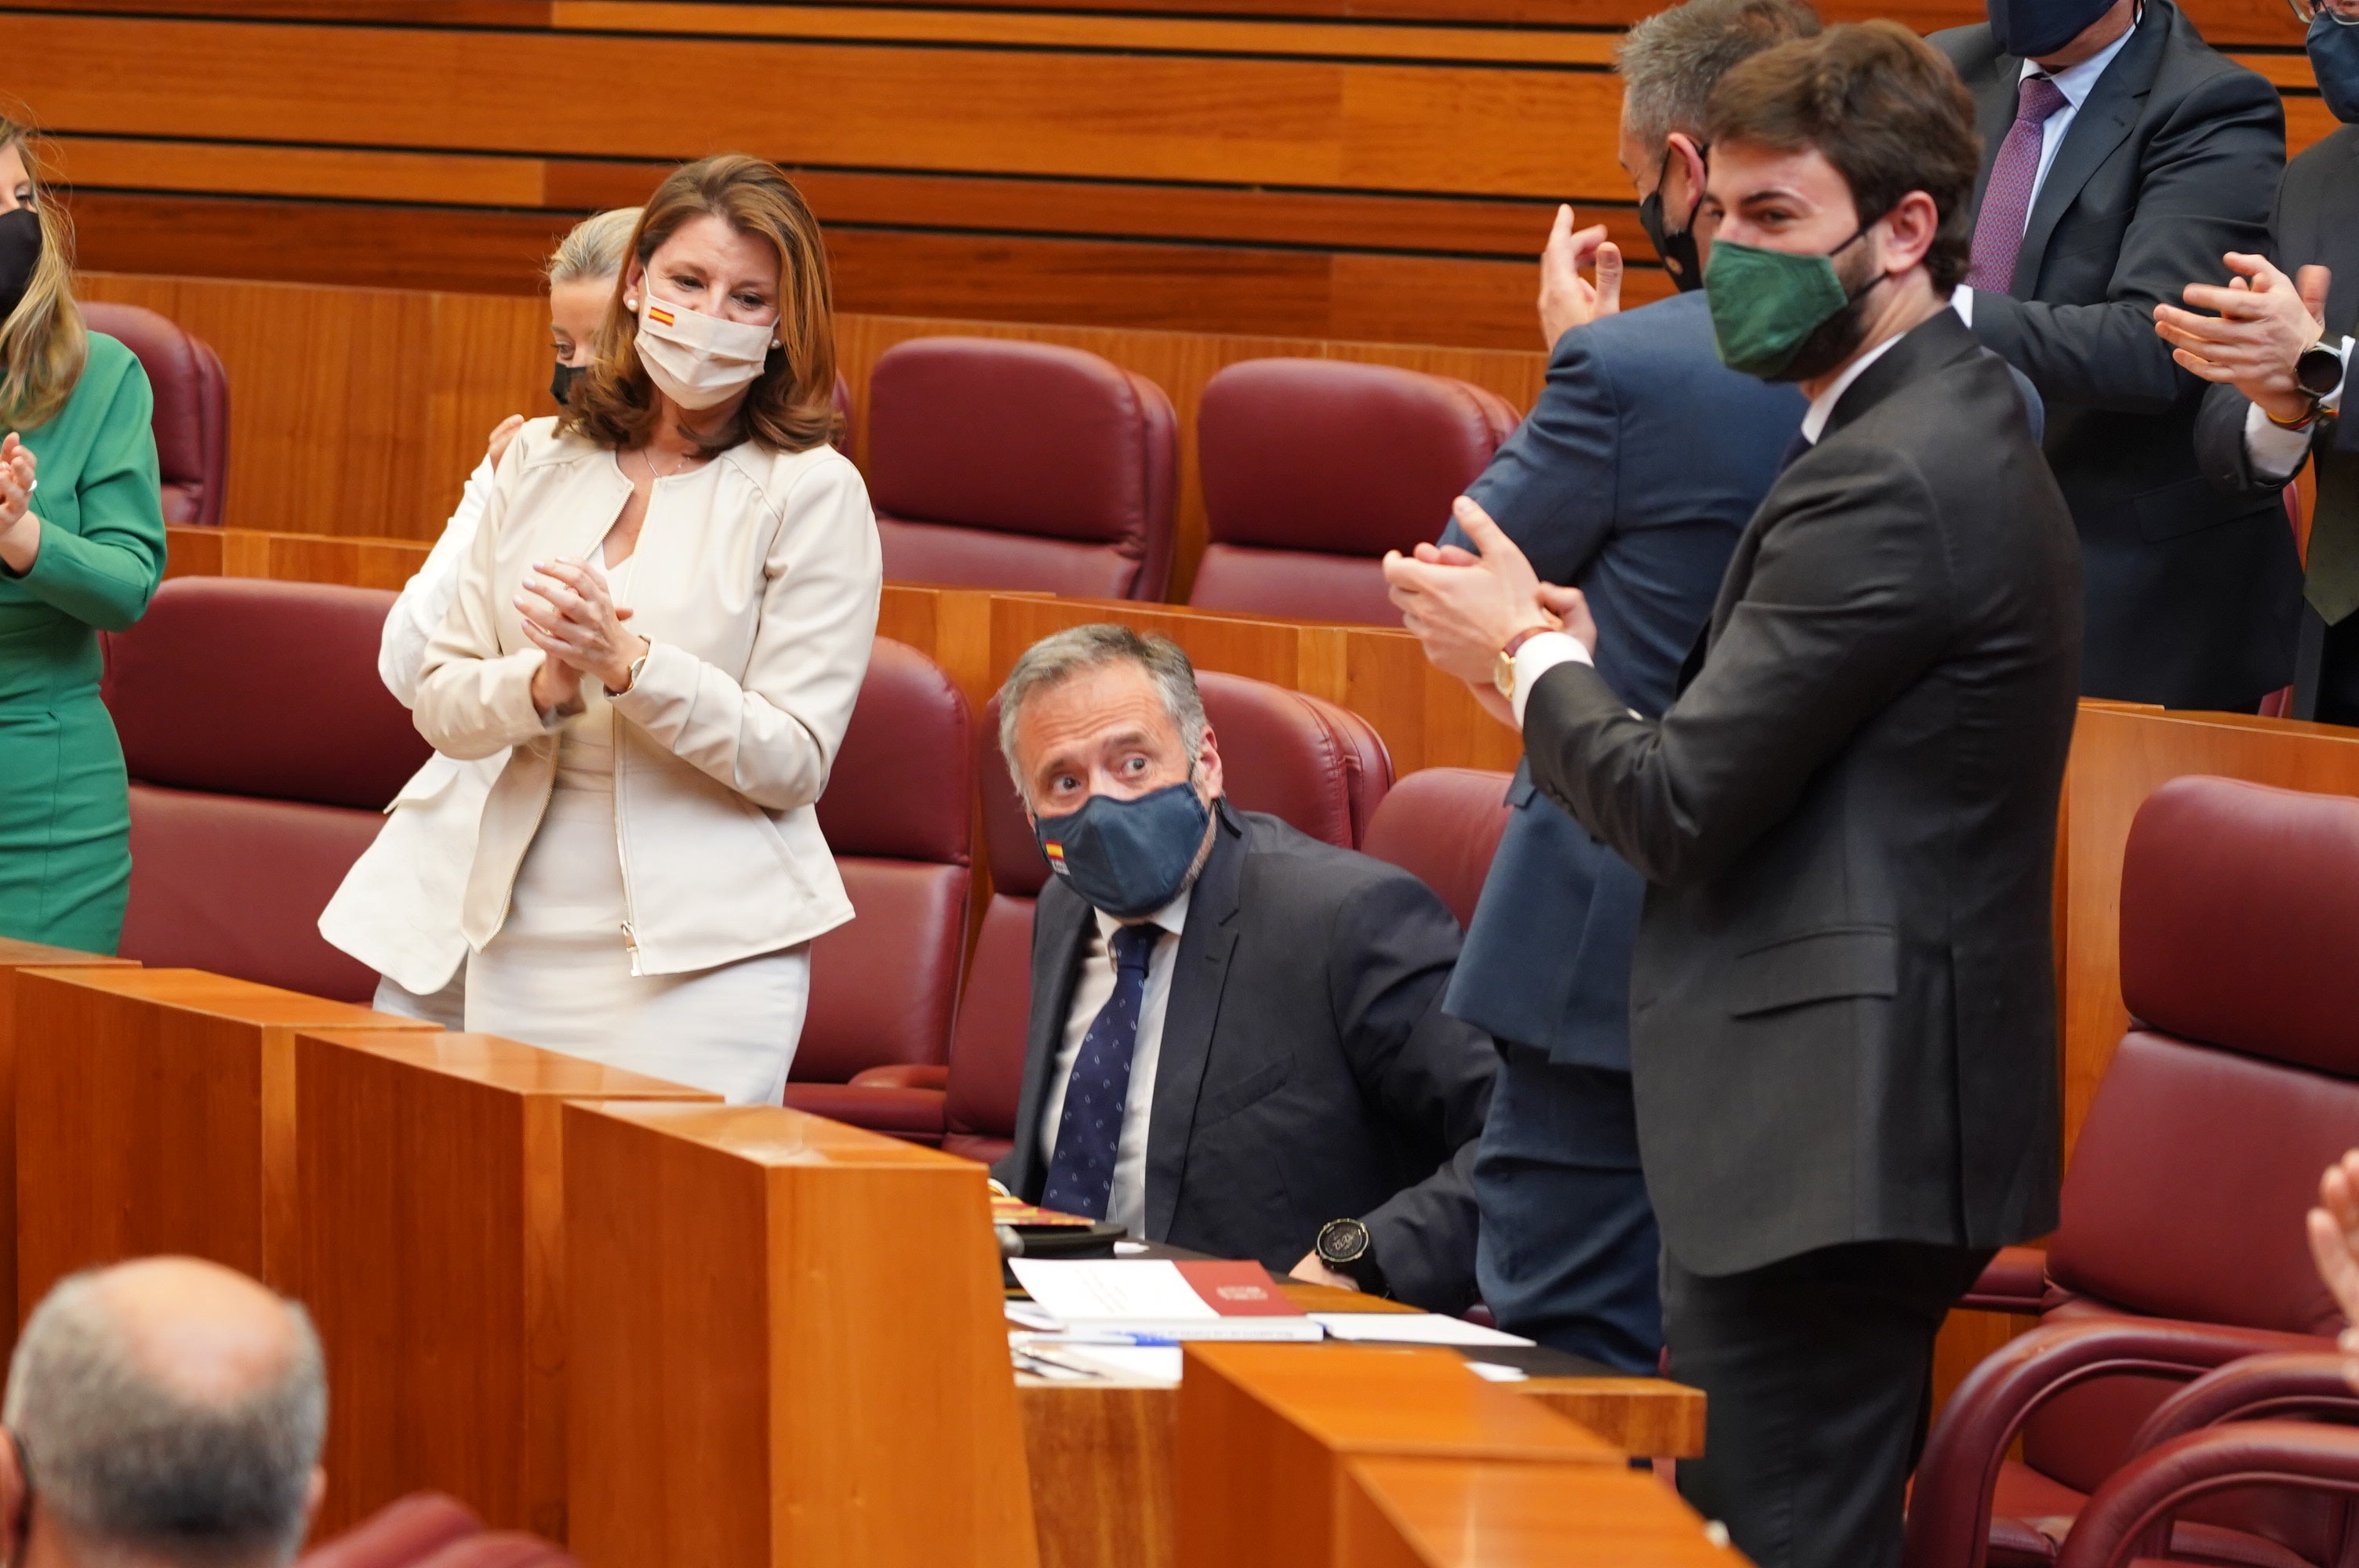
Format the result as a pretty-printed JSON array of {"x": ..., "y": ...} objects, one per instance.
[
  {"x": 2239, "y": 916},
  {"x": 1024, "y": 466},
  {"x": 1314, "y": 469},
  {"x": 897, "y": 814},
  {"x": 399, "y": 1534},
  {"x": 192, "y": 407},
  {"x": 1443, "y": 826},
  {"x": 1324, "y": 769},
  {"x": 986, "y": 1076},
  {"x": 261, "y": 748}
]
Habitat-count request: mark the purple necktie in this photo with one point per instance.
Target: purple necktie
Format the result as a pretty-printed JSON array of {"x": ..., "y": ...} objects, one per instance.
[{"x": 2007, "y": 204}]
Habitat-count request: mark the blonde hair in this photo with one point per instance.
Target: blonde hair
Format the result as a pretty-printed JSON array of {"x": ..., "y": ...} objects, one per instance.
[
  {"x": 595, "y": 247},
  {"x": 42, "y": 344},
  {"x": 791, "y": 407}
]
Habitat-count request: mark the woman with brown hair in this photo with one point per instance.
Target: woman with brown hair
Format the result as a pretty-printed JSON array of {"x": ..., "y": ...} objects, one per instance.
[
  {"x": 661, "y": 629},
  {"x": 81, "y": 557}
]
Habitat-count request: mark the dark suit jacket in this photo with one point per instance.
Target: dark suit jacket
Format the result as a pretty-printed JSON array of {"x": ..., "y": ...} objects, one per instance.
[
  {"x": 1306, "y": 1071},
  {"x": 1605, "y": 486},
  {"x": 1843, "y": 1004},
  {"x": 2191, "y": 593},
  {"x": 2317, "y": 225}
]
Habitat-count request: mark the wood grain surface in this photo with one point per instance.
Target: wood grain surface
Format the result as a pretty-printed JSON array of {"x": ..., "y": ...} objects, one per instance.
[
  {"x": 1455, "y": 1513},
  {"x": 785, "y": 1346},
  {"x": 429, "y": 1183},
  {"x": 1365, "y": 169},
  {"x": 15, "y": 957},
  {"x": 156, "y": 1113}
]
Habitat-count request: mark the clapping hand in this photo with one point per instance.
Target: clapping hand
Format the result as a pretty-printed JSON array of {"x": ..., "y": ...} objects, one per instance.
[
  {"x": 569, "y": 614},
  {"x": 20, "y": 528},
  {"x": 1465, "y": 606},
  {"x": 2335, "y": 1243},
  {"x": 1567, "y": 299},
  {"x": 2265, "y": 321}
]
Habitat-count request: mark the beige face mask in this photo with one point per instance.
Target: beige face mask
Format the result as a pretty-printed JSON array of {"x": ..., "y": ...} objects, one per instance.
[{"x": 700, "y": 359}]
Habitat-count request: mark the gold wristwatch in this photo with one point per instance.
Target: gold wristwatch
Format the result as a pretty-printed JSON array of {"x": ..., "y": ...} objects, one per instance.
[{"x": 1503, "y": 668}]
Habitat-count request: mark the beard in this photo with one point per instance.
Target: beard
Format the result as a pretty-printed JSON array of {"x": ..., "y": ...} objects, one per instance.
[{"x": 1838, "y": 337}]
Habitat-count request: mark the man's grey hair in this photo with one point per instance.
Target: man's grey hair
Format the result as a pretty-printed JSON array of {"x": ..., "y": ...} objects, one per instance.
[
  {"x": 1055, "y": 659},
  {"x": 1672, "y": 60},
  {"x": 124, "y": 1459}
]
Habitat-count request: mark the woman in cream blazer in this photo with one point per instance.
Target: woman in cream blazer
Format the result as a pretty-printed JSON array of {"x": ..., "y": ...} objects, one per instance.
[
  {"x": 662, "y": 626},
  {"x": 397, "y": 909}
]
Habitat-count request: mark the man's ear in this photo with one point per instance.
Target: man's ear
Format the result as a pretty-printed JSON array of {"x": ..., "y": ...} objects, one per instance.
[
  {"x": 1687, "y": 155},
  {"x": 1910, "y": 231},
  {"x": 16, "y": 1501},
  {"x": 315, "y": 1492},
  {"x": 1210, "y": 781}
]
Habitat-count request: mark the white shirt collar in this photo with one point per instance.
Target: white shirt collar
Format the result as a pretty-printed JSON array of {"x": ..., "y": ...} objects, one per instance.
[
  {"x": 2076, "y": 82},
  {"x": 1822, "y": 406},
  {"x": 1172, "y": 917}
]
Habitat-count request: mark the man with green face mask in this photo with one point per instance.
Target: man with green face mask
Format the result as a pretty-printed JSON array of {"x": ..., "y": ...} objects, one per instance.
[{"x": 1843, "y": 1001}]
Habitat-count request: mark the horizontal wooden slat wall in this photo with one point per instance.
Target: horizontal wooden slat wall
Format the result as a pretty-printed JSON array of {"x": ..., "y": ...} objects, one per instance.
[
  {"x": 1371, "y": 170},
  {"x": 358, "y": 411}
]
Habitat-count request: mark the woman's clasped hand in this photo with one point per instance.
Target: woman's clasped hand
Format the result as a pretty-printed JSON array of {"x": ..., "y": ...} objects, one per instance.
[
  {"x": 571, "y": 615},
  {"x": 16, "y": 535}
]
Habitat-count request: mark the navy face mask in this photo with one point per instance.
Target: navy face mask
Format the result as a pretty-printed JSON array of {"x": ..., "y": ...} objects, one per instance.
[
  {"x": 1127, "y": 858},
  {"x": 2334, "y": 58},
  {"x": 2030, "y": 28}
]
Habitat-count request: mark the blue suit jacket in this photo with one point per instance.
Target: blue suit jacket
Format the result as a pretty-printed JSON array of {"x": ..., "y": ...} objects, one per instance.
[{"x": 1631, "y": 479}]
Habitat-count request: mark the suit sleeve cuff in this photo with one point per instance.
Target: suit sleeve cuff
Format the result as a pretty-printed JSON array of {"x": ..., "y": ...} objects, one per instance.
[
  {"x": 2274, "y": 451},
  {"x": 1539, "y": 655}
]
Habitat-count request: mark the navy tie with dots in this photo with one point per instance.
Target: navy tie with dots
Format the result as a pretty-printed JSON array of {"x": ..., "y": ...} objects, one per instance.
[{"x": 1081, "y": 1174}]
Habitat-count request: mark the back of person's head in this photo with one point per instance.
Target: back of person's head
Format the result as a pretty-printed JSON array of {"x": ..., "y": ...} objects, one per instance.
[
  {"x": 42, "y": 344},
  {"x": 790, "y": 407},
  {"x": 593, "y": 249},
  {"x": 166, "y": 1412},
  {"x": 1877, "y": 102},
  {"x": 1672, "y": 62}
]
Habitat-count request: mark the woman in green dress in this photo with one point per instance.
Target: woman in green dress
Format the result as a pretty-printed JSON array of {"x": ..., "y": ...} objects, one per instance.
[{"x": 81, "y": 548}]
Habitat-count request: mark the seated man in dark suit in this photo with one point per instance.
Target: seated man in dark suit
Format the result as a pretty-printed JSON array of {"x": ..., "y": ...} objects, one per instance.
[{"x": 1236, "y": 1041}]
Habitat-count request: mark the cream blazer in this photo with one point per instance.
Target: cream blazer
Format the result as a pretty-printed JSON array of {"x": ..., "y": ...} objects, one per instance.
[{"x": 756, "y": 581}]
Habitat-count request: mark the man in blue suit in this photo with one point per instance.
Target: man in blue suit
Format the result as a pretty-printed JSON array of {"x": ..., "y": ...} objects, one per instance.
[{"x": 1633, "y": 477}]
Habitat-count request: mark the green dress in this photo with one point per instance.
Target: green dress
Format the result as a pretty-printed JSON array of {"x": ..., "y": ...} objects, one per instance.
[{"x": 65, "y": 806}]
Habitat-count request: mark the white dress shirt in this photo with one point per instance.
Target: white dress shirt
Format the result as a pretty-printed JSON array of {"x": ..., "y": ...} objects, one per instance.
[
  {"x": 1093, "y": 988},
  {"x": 2277, "y": 452},
  {"x": 2076, "y": 82},
  {"x": 1542, "y": 652}
]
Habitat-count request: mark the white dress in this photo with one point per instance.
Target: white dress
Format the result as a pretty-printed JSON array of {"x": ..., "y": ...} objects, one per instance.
[{"x": 559, "y": 974}]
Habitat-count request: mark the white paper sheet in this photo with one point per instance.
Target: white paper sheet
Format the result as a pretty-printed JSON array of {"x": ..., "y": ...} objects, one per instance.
[{"x": 1410, "y": 1328}]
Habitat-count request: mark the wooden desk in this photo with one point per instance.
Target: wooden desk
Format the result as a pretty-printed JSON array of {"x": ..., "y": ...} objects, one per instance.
[
  {"x": 787, "y": 1347},
  {"x": 13, "y": 956},
  {"x": 1267, "y": 1432},
  {"x": 155, "y": 1113},
  {"x": 430, "y": 1201},
  {"x": 1452, "y": 1513}
]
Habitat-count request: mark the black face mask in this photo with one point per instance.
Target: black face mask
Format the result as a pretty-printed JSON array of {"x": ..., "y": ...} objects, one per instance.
[
  {"x": 20, "y": 253},
  {"x": 561, "y": 380},
  {"x": 1678, "y": 250},
  {"x": 2030, "y": 28}
]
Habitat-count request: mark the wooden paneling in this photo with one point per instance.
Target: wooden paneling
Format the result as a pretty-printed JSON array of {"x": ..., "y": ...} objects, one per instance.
[
  {"x": 156, "y": 1113},
  {"x": 14, "y": 958},
  {"x": 1326, "y": 168},
  {"x": 1406, "y": 1512},
  {"x": 787, "y": 1347},
  {"x": 429, "y": 1194}
]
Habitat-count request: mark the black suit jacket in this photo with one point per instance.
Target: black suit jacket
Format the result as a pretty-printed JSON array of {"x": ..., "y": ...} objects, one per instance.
[
  {"x": 1844, "y": 1003},
  {"x": 1306, "y": 1071},
  {"x": 2191, "y": 593}
]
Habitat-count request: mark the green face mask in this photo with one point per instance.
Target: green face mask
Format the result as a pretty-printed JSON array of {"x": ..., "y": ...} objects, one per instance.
[{"x": 1766, "y": 304}]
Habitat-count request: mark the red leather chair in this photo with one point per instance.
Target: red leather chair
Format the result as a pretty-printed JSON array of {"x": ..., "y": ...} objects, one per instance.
[
  {"x": 1314, "y": 469},
  {"x": 399, "y": 1534},
  {"x": 898, "y": 815},
  {"x": 192, "y": 407},
  {"x": 1320, "y": 767},
  {"x": 262, "y": 750},
  {"x": 2181, "y": 1247},
  {"x": 1020, "y": 466},
  {"x": 1443, "y": 826}
]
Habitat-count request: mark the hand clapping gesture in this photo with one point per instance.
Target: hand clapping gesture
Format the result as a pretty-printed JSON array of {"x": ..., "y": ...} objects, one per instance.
[
  {"x": 2265, "y": 321},
  {"x": 2335, "y": 1243},
  {"x": 1568, "y": 299},
  {"x": 570, "y": 616},
  {"x": 20, "y": 527}
]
